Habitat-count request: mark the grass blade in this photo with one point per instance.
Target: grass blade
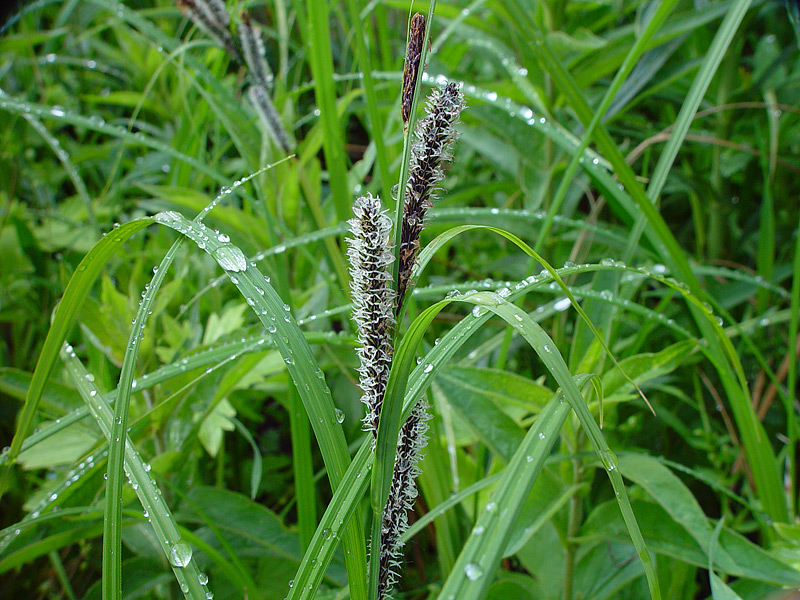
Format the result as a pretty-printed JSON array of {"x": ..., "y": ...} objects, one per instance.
[
  {"x": 177, "y": 551},
  {"x": 77, "y": 289},
  {"x": 300, "y": 361}
]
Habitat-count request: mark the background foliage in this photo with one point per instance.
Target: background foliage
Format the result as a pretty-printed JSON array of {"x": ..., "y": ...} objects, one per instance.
[{"x": 673, "y": 223}]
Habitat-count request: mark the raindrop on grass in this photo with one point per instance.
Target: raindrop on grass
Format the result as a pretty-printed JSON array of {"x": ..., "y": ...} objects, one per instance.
[
  {"x": 230, "y": 258},
  {"x": 561, "y": 305},
  {"x": 473, "y": 571},
  {"x": 180, "y": 553},
  {"x": 477, "y": 311}
]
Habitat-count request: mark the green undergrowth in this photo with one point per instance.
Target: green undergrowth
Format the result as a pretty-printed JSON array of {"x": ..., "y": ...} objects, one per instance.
[{"x": 604, "y": 323}]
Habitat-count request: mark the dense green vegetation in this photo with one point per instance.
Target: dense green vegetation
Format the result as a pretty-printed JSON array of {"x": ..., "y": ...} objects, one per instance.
[{"x": 605, "y": 324}]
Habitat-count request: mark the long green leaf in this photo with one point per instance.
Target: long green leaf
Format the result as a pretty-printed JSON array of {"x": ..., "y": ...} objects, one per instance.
[
  {"x": 118, "y": 439},
  {"x": 472, "y": 587},
  {"x": 318, "y": 42},
  {"x": 300, "y": 361},
  {"x": 177, "y": 551},
  {"x": 77, "y": 289},
  {"x": 755, "y": 443}
]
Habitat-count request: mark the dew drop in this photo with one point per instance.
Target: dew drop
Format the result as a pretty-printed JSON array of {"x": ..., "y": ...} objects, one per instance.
[
  {"x": 561, "y": 305},
  {"x": 473, "y": 571},
  {"x": 609, "y": 460},
  {"x": 180, "y": 553},
  {"x": 230, "y": 258}
]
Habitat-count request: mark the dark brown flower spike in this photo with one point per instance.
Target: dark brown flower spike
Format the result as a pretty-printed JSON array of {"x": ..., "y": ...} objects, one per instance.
[
  {"x": 212, "y": 17},
  {"x": 260, "y": 100},
  {"x": 411, "y": 440},
  {"x": 416, "y": 37},
  {"x": 434, "y": 135},
  {"x": 253, "y": 51}
]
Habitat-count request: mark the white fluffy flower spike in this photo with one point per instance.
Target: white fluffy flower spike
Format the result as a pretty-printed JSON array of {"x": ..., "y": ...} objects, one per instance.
[{"x": 373, "y": 301}]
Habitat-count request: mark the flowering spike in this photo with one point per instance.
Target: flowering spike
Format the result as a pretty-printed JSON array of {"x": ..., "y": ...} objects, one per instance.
[
  {"x": 402, "y": 494},
  {"x": 253, "y": 51},
  {"x": 373, "y": 301},
  {"x": 434, "y": 135},
  {"x": 212, "y": 17},
  {"x": 416, "y": 37},
  {"x": 261, "y": 101}
]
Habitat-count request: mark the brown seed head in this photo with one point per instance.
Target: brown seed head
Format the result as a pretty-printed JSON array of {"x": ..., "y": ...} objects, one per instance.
[{"x": 416, "y": 36}]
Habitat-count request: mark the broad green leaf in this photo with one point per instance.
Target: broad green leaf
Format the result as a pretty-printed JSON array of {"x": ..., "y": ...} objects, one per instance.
[
  {"x": 645, "y": 367},
  {"x": 603, "y": 571},
  {"x": 494, "y": 427},
  {"x": 504, "y": 388},
  {"x": 751, "y": 562},
  {"x": 719, "y": 589},
  {"x": 255, "y": 526},
  {"x": 670, "y": 492},
  {"x": 214, "y": 425},
  {"x": 64, "y": 447}
]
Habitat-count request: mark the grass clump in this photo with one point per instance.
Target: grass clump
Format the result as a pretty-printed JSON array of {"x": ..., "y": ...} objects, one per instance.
[{"x": 617, "y": 226}]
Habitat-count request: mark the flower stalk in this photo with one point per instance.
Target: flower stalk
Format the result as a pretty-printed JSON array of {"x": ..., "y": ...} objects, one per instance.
[{"x": 402, "y": 495}]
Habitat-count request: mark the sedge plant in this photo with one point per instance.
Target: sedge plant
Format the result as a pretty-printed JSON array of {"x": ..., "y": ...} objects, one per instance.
[{"x": 181, "y": 432}]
